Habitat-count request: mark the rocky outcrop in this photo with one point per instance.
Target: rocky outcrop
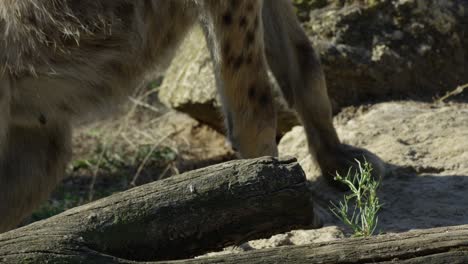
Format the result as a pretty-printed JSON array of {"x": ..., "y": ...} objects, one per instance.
[{"x": 391, "y": 49}]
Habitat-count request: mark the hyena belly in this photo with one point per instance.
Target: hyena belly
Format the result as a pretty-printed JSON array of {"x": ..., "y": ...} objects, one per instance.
[{"x": 82, "y": 77}]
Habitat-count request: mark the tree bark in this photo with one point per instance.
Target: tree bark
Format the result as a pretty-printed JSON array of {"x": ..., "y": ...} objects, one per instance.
[
  {"x": 180, "y": 217},
  {"x": 437, "y": 245}
]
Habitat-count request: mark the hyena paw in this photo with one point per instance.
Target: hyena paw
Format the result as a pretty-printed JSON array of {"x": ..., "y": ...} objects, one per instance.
[{"x": 347, "y": 160}]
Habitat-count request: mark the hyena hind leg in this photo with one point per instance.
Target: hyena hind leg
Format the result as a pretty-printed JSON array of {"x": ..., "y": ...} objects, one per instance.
[{"x": 298, "y": 71}]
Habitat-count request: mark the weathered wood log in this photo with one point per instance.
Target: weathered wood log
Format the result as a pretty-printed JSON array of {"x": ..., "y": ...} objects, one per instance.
[
  {"x": 437, "y": 245},
  {"x": 180, "y": 217}
]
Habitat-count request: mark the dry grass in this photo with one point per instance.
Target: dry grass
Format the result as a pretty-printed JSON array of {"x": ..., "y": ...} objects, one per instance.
[{"x": 456, "y": 91}]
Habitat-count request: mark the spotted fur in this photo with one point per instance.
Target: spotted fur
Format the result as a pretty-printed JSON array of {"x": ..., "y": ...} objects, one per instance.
[{"x": 64, "y": 61}]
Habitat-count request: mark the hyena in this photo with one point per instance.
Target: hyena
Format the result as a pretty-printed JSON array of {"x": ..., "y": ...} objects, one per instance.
[{"x": 63, "y": 61}]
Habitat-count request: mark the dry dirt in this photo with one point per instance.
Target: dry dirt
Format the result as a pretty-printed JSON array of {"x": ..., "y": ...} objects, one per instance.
[{"x": 425, "y": 147}]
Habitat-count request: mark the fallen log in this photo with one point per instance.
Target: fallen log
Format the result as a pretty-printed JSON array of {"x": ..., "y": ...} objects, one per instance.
[
  {"x": 437, "y": 245},
  {"x": 180, "y": 217}
]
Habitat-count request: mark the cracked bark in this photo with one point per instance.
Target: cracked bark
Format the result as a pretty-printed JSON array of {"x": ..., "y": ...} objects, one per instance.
[
  {"x": 437, "y": 245},
  {"x": 180, "y": 217}
]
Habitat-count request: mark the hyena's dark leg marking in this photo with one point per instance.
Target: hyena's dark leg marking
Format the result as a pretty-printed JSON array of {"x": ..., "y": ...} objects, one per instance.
[{"x": 235, "y": 35}]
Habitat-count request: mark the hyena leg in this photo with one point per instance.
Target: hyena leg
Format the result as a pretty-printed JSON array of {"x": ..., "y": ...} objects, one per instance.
[
  {"x": 235, "y": 35},
  {"x": 300, "y": 76},
  {"x": 4, "y": 112},
  {"x": 33, "y": 163}
]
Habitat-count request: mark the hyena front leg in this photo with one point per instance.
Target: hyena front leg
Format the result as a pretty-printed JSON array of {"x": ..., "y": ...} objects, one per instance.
[
  {"x": 33, "y": 163},
  {"x": 32, "y": 160},
  {"x": 235, "y": 34}
]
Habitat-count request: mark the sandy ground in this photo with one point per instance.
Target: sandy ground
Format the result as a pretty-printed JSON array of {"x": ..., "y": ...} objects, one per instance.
[
  {"x": 425, "y": 147},
  {"x": 426, "y": 150}
]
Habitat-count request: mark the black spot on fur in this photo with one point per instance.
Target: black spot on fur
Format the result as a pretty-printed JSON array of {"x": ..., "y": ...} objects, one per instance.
[
  {"x": 238, "y": 63},
  {"x": 63, "y": 107},
  {"x": 227, "y": 18},
  {"x": 242, "y": 22},
  {"x": 42, "y": 119},
  {"x": 248, "y": 58},
  {"x": 255, "y": 24},
  {"x": 251, "y": 92},
  {"x": 264, "y": 99},
  {"x": 250, "y": 7},
  {"x": 226, "y": 49},
  {"x": 229, "y": 61},
  {"x": 168, "y": 38},
  {"x": 249, "y": 38},
  {"x": 31, "y": 19}
]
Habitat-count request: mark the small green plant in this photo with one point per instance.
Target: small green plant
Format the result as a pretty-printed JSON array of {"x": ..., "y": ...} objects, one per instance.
[{"x": 359, "y": 208}]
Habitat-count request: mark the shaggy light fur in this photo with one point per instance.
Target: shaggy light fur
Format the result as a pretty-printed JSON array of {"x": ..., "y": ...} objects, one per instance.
[{"x": 64, "y": 61}]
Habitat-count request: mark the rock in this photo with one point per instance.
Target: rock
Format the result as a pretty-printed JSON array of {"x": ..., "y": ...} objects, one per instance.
[
  {"x": 189, "y": 84},
  {"x": 371, "y": 50},
  {"x": 391, "y": 49},
  {"x": 426, "y": 151}
]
